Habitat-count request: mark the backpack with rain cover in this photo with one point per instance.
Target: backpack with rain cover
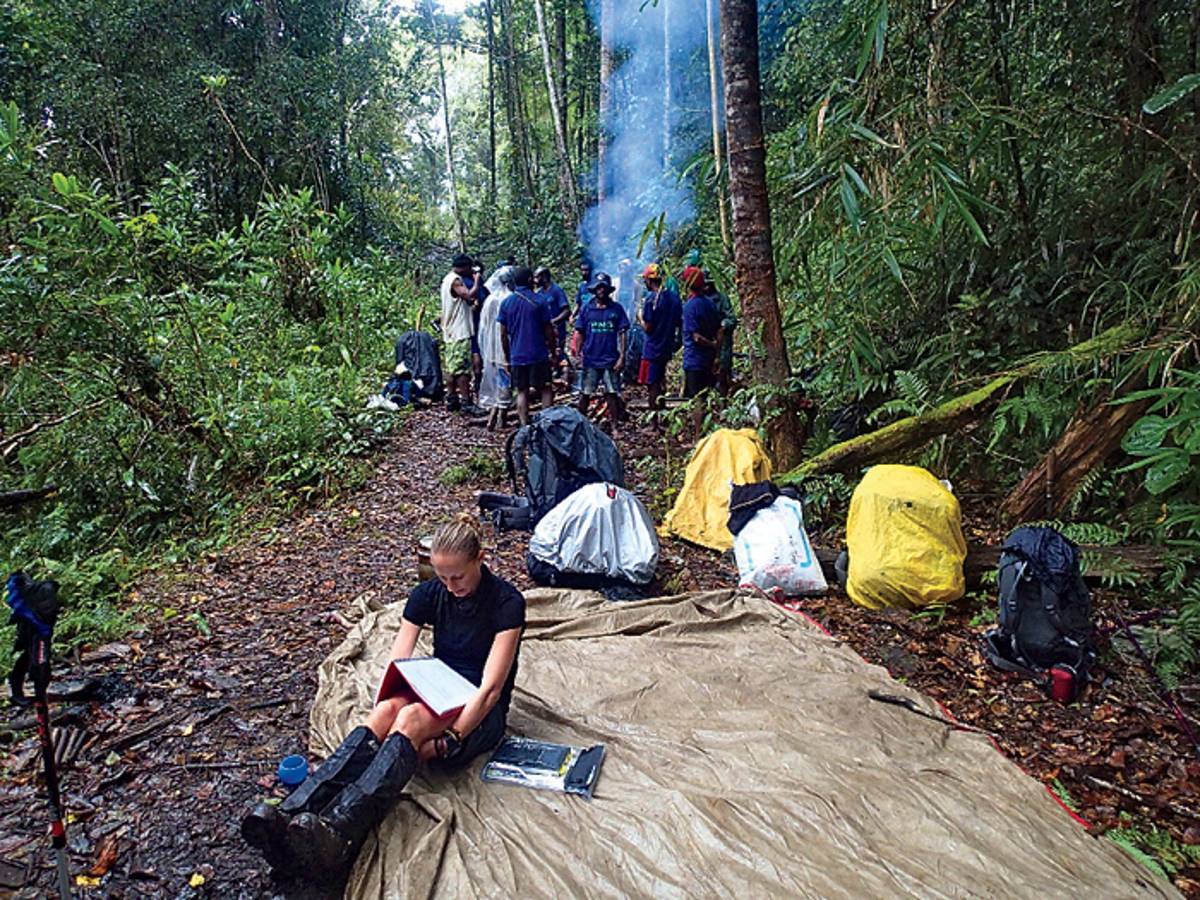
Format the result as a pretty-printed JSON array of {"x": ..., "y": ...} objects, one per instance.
[
  {"x": 549, "y": 459},
  {"x": 1045, "y": 619},
  {"x": 418, "y": 351}
]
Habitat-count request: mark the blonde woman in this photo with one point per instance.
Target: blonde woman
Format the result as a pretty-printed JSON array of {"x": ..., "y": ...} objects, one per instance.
[{"x": 477, "y": 620}]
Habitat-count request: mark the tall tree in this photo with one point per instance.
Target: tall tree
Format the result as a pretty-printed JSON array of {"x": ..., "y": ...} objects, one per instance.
[
  {"x": 515, "y": 103},
  {"x": 714, "y": 106},
  {"x": 752, "y": 246},
  {"x": 566, "y": 176},
  {"x": 607, "y": 68},
  {"x": 460, "y": 229},
  {"x": 491, "y": 101},
  {"x": 560, "y": 63}
]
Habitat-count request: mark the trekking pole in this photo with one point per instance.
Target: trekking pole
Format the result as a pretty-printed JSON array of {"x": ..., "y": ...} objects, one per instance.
[
  {"x": 58, "y": 829},
  {"x": 1164, "y": 693},
  {"x": 35, "y": 607}
]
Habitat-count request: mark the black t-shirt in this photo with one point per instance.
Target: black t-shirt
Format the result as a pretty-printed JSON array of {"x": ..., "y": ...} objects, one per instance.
[{"x": 464, "y": 628}]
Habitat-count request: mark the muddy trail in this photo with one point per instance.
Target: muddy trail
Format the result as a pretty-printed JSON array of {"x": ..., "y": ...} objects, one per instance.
[{"x": 197, "y": 708}]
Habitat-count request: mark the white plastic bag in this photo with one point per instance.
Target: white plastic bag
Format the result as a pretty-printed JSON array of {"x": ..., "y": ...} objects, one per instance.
[{"x": 772, "y": 551}]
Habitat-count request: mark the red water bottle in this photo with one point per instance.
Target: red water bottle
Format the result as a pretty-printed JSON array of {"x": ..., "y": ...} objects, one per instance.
[{"x": 1064, "y": 684}]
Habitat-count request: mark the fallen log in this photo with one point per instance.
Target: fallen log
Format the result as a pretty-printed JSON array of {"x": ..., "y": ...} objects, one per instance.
[
  {"x": 1088, "y": 440},
  {"x": 1099, "y": 562},
  {"x": 914, "y": 431},
  {"x": 9, "y": 499}
]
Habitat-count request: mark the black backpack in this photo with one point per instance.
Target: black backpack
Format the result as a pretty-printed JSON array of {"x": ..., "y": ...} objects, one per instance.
[
  {"x": 1045, "y": 618},
  {"x": 552, "y": 457}
]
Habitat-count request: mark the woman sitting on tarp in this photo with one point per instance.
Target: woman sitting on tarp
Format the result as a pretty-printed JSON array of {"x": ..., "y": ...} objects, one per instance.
[{"x": 477, "y": 620}]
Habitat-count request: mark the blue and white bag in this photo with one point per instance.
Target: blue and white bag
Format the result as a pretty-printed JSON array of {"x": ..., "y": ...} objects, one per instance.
[{"x": 773, "y": 551}]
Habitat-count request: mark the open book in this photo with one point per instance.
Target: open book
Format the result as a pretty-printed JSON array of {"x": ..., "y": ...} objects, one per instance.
[{"x": 436, "y": 685}]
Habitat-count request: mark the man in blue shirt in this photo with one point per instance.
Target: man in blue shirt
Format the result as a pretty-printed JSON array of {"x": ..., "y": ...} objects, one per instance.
[
  {"x": 701, "y": 341},
  {"x": 528, "y": 340},
  {"x": 555, "y": 299},
  {"x": 661, "y": 316},
  {"x": 582, "y": 292},
  {"x": 603, "y": 327}
]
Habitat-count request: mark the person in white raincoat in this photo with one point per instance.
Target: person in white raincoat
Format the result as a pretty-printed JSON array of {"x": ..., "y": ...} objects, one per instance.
[{"x": 495, "y": 390}]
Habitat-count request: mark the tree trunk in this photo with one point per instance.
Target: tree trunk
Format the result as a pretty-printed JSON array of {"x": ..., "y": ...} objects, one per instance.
[
  {"x": 514, "y": 103},
  {"x": 272, "y": 25},
  {"x": 1088, "y": 440},
  {"x": 560, "y": 65},
  {"x": 1004, "y": 84},
  {"x": 666, "y": 115},
  {"x": 491, "y": 89},
  {"x": 518, "y": 133},
  {"x": 566, "y": 177},
  {"x": 437, "y": 45},
  {"x": 912, "y": 432},
  {"x": 605, "y": 109},
  {"x": 713, "y": 103},
  {"x": 752, "y": 248}
]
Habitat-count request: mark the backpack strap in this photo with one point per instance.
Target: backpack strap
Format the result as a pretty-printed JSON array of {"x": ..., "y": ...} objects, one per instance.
[{"x": 510, "y": 462}]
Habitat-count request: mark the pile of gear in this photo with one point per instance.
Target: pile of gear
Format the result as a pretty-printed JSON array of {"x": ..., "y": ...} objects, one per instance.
[
  {"x": 568, "y": 483},
  {"x": 905, "y": 549},
  {"x": 417, "y": 375}
]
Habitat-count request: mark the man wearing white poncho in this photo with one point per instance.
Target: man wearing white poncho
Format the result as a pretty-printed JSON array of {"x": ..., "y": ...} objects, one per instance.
[{"x": 495, "y": 386}]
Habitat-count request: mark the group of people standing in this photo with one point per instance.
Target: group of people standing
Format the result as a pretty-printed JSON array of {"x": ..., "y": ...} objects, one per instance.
[{"x": 510, "y": 335}]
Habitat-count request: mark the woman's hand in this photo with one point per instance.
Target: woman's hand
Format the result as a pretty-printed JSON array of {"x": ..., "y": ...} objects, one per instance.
[{"x": 495, "y": 673}]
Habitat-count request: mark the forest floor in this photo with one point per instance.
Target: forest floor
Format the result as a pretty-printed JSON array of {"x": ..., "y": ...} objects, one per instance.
[{"x": 200, "y": 704}]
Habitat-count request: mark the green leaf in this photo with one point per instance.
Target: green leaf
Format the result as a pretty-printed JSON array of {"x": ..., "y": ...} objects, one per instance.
[
  {"x": 1168, "y": 472},
  {"x": 892, "y": 264},
  {"x": 61, "y": 184},
  {"x": 1171, "y": 95},
  {"x": 881, "y": 24},
  {"x": 849, "y": 203},
  {"x": 1192, "y": 444},
  {"x": 1146, "y": 436},
  {"x": 856, "y": 178}
]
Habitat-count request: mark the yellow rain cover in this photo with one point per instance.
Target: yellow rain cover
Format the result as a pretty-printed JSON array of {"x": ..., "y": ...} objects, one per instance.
[
  {"x": 905, "y": 540},
  {"x": 723, "y": 459}
]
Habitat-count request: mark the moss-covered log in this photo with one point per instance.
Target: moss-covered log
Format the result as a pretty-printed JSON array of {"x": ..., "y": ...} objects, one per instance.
[{"x": 914, "y": 431}]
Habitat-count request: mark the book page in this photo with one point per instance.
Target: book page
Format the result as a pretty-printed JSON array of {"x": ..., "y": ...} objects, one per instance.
[{"x": 440, "y": 688}]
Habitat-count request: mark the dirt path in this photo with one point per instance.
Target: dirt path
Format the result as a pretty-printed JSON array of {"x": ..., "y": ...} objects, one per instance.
[{"x": 199, "y": 709}]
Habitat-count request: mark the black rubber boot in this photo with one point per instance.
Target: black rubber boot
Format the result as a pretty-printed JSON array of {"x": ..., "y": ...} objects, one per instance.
[
  {"x": 323, "y": 847},
  {"x": 265, "y": 827}
]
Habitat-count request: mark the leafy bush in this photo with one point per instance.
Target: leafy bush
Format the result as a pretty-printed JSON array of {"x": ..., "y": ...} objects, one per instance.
[{"x": 166, "y": 374}]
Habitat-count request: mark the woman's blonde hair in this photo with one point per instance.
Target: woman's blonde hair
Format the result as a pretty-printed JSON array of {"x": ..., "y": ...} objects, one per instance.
[{"x": 462, "y": 535}]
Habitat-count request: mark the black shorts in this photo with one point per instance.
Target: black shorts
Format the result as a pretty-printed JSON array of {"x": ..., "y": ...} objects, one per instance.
[
  {"x": 535, "y": 376},
  {"x": 483, "y": 739},
  {"x": 696, "y": 382}
]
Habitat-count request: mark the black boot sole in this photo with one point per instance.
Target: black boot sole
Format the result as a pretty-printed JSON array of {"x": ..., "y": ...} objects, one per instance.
[
  {"x": 320, "y": 854},
  {"x": 267, "y": 833}
]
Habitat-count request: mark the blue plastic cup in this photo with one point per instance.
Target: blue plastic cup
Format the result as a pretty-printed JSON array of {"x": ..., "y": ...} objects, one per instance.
[{"x": 293, "y": 770}]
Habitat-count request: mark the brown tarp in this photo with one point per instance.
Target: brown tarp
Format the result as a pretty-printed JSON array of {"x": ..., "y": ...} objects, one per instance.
[{"x": 744, "y": 759}]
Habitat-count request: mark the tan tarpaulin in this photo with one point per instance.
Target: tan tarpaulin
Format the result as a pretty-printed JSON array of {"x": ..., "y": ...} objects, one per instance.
[{"x": 744, "y": 759}]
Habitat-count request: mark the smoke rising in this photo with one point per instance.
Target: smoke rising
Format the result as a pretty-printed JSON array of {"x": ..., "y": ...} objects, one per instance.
[{"x": 642, "y": 183}]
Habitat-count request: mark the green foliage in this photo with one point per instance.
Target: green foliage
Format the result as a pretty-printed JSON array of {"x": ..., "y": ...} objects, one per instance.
[
  {"x": 1166, "y": 443},
  {"x": 959, "y": 192},
  {"x": 1153, "y": 847},
  {"x": 1061, "y": 792},
  {"x": 481, "y": 466},
  {"x": 166, "y": 372}
]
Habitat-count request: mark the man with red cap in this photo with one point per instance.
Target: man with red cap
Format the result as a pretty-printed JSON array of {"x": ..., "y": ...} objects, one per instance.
[
  {"x": 701, "y": 341},
  {"x": 660, "y": 316}
]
